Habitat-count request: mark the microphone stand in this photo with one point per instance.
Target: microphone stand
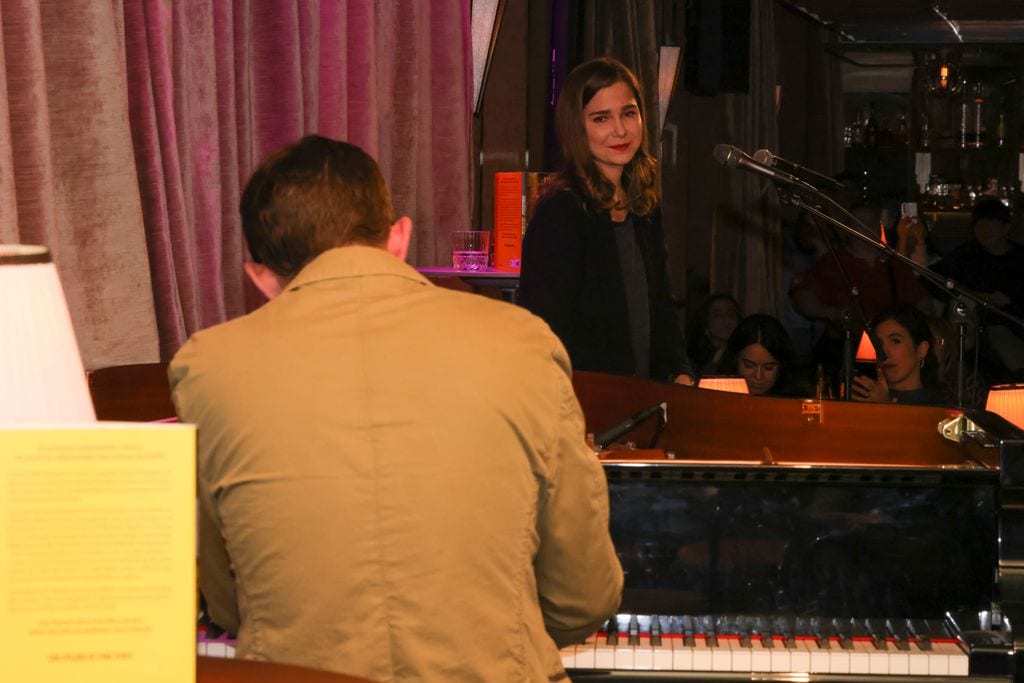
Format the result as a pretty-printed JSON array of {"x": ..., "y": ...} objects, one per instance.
[{"x": 853, "y": 292}]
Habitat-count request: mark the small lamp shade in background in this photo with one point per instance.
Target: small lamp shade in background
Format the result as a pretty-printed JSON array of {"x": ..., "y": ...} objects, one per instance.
[
  {"x": 865, "y": 351},
  {"x": 1007, "y": 401},
  {"x": 737, "y": 385},
  {"x": 41, "y": 373}
]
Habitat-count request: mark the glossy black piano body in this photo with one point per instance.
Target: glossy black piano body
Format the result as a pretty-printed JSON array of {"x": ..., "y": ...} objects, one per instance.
[{"x": 785, "y": 509}]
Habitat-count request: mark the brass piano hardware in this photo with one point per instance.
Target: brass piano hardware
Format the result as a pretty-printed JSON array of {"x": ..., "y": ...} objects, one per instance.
[
  {"x": 812, "y": 412},
  {"x": 961, "y": 429}
]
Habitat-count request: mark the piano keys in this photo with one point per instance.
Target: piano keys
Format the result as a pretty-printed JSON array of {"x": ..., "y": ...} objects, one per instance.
[{"x": 756, "y": 644}]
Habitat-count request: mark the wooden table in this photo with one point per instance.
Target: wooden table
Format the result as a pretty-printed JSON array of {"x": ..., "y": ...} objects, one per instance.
[{"x": 216, "y": 670}]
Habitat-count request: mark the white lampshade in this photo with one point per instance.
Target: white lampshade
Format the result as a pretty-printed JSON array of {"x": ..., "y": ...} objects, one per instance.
[
  {"x": 1007, "y": 400},
  {"x": 41, "y": 373},
  {"x": 737, "y": 385}
]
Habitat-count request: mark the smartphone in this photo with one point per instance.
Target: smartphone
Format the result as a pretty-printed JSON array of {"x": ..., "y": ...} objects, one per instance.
[{"x": 908, "y": 210}]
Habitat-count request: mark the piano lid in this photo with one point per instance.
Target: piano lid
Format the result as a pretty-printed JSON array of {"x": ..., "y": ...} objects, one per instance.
[{"x": 715, "y": 426}]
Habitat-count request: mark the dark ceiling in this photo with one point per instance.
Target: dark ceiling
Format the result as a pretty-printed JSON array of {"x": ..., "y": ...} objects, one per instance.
[{"x": 858, "y": 22}]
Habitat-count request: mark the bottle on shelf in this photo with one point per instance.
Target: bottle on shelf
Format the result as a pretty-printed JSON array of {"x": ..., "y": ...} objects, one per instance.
[
  {"x": 900, "y": 137},
  {"x": 857, "y": 136},
  {"x": 925, "y": 133},
  {"x": 1001, "y": 131},
  {"x": 979, "y": 123},
  {"x": 871, "y": 127},
  {"x": 964, "y": 114}
]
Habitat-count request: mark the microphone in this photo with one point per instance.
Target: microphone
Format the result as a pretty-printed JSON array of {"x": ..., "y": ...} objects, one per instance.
[
  {"x": 734, "y": 157},
  {"x": 823, "y": 182},
  {"x": 613, "y": 433}
]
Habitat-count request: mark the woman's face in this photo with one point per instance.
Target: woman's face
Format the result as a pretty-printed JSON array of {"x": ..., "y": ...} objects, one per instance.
[
  {"x": 614, "y": 129},
  {"x": 722, "y": 320},
  {"x": 902, "y": 366},
  {"x": 759, "y": 368}
]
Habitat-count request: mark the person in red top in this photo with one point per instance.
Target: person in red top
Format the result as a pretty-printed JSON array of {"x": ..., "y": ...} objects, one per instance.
[{"x": 820, "y": 293}]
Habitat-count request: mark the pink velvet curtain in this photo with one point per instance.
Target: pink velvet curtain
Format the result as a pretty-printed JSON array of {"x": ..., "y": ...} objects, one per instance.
[{"x": 166, "y": 108}]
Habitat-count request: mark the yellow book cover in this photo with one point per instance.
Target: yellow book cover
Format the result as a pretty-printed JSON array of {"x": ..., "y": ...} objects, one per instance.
[{"x": 97, "y": 553}]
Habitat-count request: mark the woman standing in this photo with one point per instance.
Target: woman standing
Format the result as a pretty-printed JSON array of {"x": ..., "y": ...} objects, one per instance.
[{"x": 594, "y": 253}]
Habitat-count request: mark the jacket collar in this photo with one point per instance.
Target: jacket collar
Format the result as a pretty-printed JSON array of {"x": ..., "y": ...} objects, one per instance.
[{"x": 353, "y": 261}]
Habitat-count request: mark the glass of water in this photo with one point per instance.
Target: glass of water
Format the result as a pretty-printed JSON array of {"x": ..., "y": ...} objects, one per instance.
[{"x": 470, "y": 249}]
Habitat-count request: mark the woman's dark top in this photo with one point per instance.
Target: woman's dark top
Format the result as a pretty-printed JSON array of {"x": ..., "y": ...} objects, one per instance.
[
  {"x": 920, "y": 397},
  {"x": 572, "y": 277}
]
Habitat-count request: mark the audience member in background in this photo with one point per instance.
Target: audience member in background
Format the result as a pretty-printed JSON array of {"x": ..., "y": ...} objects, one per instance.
[
  {"x": 802, "y": 246},
  {"x": 594, "y": 253},
  {"x": 909, "y": 373},
  {"x": 992, "y": 266},
  {"x": 761, "y": 352},
  {"x": 821, "y": 293},
  {"x": 714, "y": 322},
  {"x": 378, "y": 495}
]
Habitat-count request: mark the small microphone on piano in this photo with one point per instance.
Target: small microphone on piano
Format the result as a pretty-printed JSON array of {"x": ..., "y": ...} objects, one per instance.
[{"x": 620, "y": 429}]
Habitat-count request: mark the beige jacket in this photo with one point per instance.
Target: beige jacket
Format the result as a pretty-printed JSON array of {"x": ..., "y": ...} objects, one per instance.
[{"x": 393, "y": 480}]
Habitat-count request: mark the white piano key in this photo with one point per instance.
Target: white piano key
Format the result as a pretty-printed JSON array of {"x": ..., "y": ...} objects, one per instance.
[
  {"x": 643, "y": 654},
  {"x": 663, "y": 654},
  {"x": 216, "y": 649},
  {"x": 624, "y": 654},
  {"x": 721, "y": 655},
  {"x": 586, "y": 653},
  {"x": 568, "y": 654},
  {"x": 819, "y": 657},
  {"x": 878, "y": 660},
  {"x": 701, "y": 654},
  {"x": 604, "y": 653},
  {"x": 760, "y": 656},
  {"x": 780, "y": 656},
  {"x": 229, "y": 651},
  {"x": 838, "y": 657},
  {"x": 682, "y": 654},
  {"x": 860, "y": 662},
  {"x": 800, "y": 657},
  {"x": 918, "y": 660},
  {"x": 899, "y": 660},
  {"x": 741, "y": 655}
]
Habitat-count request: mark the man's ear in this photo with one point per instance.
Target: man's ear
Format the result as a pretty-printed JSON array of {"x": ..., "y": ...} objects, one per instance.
[
  {"x": 399, "y": 236},
  {"x": 266, "y": 280}
]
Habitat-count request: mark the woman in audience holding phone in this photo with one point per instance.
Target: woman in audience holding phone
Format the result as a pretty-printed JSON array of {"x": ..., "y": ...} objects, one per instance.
[
  {"x": 594, "y": 253},
  {"x": 909, "y": 373}
]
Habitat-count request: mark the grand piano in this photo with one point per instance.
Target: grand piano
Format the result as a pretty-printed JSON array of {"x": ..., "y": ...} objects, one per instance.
[{"x": 783, "y": 539}]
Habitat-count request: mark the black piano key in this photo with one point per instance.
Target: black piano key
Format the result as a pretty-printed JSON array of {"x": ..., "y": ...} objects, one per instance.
[
  {"x": 919, "y": 629},
  {"x": 655, "y": 630},
  {"x": 687, "y": 627},
  {"x": 879, "y": 633},
  {"x": 634, "y": 631},
  {"x": 612, "y": 631},
  {"x": 841, "y": 629},
  {"x": 707, "y": 627},
  {"x": 784, "y": 629},
  {"x": 821, "y": 630},
  {"x": 898, "y": 630}
]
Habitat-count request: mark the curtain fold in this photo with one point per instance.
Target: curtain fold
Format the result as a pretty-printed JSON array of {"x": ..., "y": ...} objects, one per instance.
[
  {"x": 70, "y": 182},
  {"x": 127, "y": 130},
  {"x": 746, "y": 243}
]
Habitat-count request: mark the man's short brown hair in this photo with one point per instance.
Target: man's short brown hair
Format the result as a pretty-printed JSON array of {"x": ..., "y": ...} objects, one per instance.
[{"x": 311, "y": 196}]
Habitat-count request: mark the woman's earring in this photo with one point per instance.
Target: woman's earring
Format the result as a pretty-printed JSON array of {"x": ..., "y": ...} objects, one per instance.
[{"x": 920, "y": 362}]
